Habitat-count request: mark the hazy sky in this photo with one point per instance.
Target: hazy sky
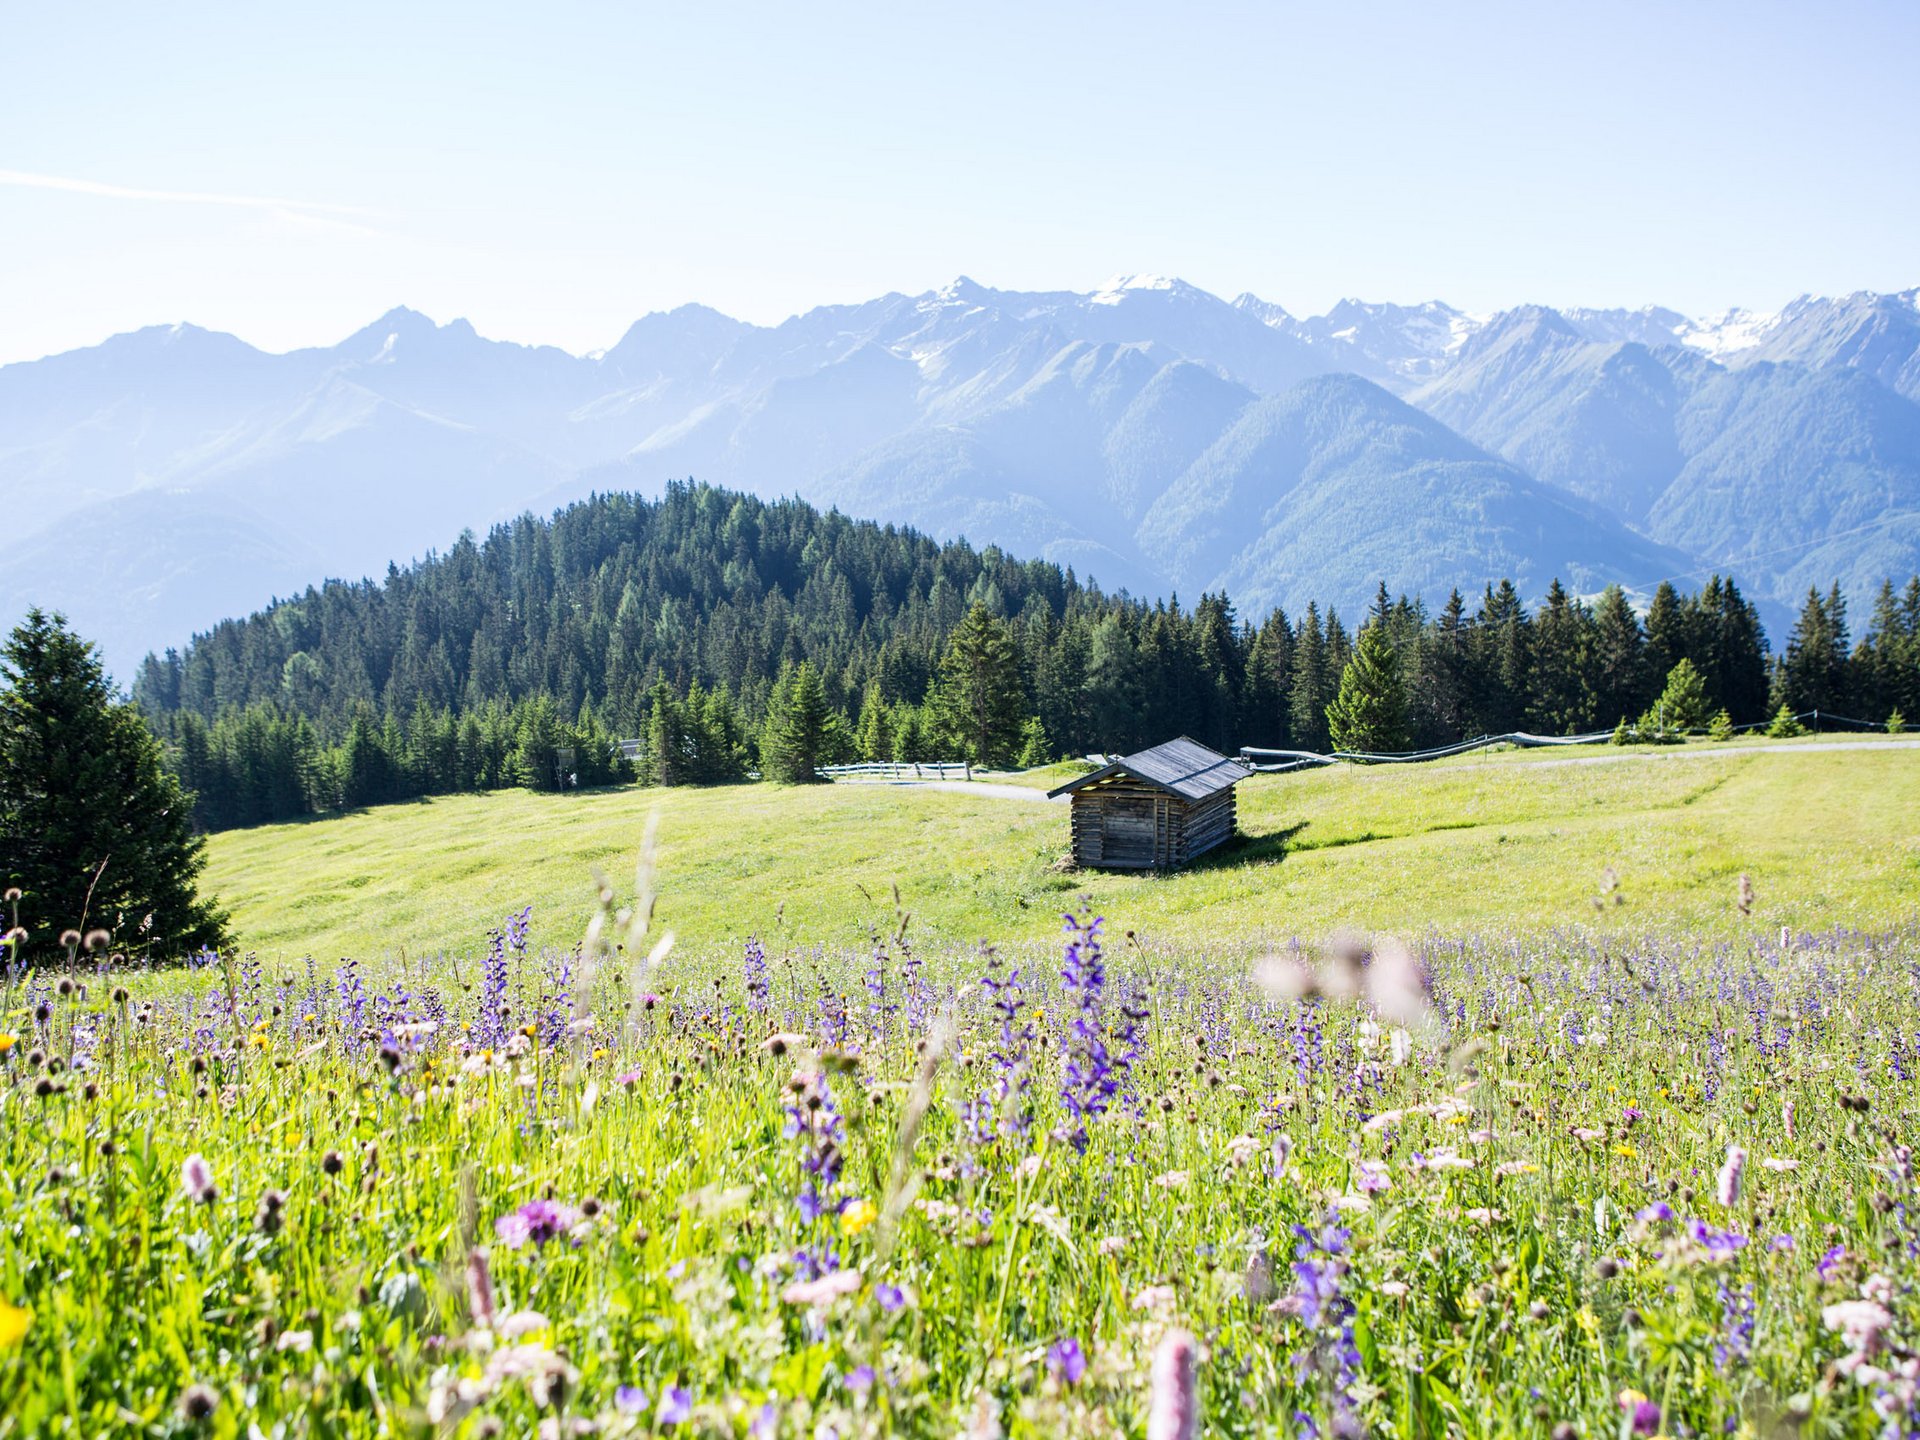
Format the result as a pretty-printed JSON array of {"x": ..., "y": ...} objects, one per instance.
[{"x": 553, "y": 171}]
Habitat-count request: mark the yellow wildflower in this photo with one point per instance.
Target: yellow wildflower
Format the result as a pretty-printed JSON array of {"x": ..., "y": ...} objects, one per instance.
[
  {"x": 858, "y": 1216},
  {"x": 14, "y": 1324},
  {"x": 1626, "y": 1152},
  {"x": 7, "y": 1042}
]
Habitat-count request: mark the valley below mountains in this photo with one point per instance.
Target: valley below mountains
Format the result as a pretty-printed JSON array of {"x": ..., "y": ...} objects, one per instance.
[{"x": 1155, "y": 437}]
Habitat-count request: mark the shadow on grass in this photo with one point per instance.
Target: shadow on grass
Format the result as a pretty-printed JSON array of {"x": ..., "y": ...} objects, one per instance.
[{"x": 1269, "y": 848}]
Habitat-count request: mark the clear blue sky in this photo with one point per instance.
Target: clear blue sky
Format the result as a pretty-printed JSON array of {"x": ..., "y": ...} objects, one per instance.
[{"x": 553, "y": 171}]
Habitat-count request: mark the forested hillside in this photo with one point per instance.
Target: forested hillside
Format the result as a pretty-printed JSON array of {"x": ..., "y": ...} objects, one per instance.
[{"x": 732, "y": 633}]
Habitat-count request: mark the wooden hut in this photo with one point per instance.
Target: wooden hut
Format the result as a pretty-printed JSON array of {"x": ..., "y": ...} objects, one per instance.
[{"x": 1154, "y": 810}]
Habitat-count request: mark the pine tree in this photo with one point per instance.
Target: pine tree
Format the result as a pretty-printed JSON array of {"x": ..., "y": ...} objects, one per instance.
[
  {"x": 873, "y": 732},
  {"x": 1784, "y": 725},
  {"x": 1035, "y": 748},
  {"x": 1370, "y": 712},
  {"x": 981, "y": 703},
  {"x": 1263, "y": 704},
  {"x": 93, "y": 830},
  {"x": 1731, "y": 650},
  {"x": 1618, "y": 663},
  {"x": 1503, "y": 646},
  {"x": 796, "y": 736},
  {"x": 1113, "y": 687},
  {"x": 1683, "y": 704},
  {"x": 663, "y": 748},
  {"x": 1442, "y": 680},
  {"x": 1669, "y": 631},
  {"x": 1558, "y": 700},
  {"x": 1812, "y": 675},
  {"x": 1310, "y": 688},
  {"x": 1876, "y": 663},
  {"x": 910, "y": 742}
]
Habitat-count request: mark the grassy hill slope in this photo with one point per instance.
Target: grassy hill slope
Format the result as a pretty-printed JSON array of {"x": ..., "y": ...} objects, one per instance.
[{"x": 1499, "y": 843}]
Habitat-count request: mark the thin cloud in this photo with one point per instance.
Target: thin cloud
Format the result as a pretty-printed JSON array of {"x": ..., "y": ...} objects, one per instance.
[{"x": 305, "y": 209}]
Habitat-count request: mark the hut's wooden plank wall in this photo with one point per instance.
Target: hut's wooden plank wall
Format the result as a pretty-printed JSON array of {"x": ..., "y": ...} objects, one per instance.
[{"x": 1127, "y": 824}]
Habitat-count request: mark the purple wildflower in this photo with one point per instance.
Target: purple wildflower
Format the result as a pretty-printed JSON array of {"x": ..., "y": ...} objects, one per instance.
[
  {"x": 1066, "y": 1361},
  {"x": 1093, "y": 1074},
  {"x": 759, "y": 981},
  {"x": 814, "y": 1119},
  {"x": 1720, "y": 1245},
  {"x": 676, "y": 1406},
  {"x": 1005, "y": 1107},
  {"x": 629, "y": 1399},
  {"x": 860, "y": 1379},
  {"x": 537, "y": 1221}
]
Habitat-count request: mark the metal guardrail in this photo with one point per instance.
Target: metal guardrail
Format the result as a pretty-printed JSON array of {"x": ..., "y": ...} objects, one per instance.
[
  {"x": 901, "y": 769},
  {"x": 1283, "y": 760}
]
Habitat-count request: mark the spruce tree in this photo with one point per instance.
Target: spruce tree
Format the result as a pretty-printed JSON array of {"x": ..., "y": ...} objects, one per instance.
[
  {"x": 1503, "y": 651},
  {"x": 1113, "y": 687},
  {"x": 798, "y": 721},
  {"x": 1370, "y": 712},
  {"x": 981, "y": 702},
  {"x": 663, "y": 749},
  {"x": 1731, "y": 650},
  {"x": 1558, "y": 700},
  {"x": 1812, "y": 675},
  {"x": 1669, "y": 631},
  {"x": 1442, "y": 677},
  {"x": 1310, "y": 688},
  {"x": 94, "y": 832},
  {"x": 1035, "y": 748},
  {"x": 1264, "y": 700},
  {"x": 1619, "y": 661},
  {"x": 873, "y": 732},
  {"x": 1683, "y": 704}
]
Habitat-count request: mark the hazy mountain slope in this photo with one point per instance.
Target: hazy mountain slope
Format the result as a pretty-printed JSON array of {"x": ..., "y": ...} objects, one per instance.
[
  {"x": 1053, "y": 421},
  {"x": 1593, "y": 417},
  {"x": 1336, "y": 485},
  {"x": 345, "y": 485},
  {"x": 1878, "y": 335},
  {"x": 1784, "y": 472},
  {"x": 1799, "y": 476},
  {"x": 1397, "y": 346}
]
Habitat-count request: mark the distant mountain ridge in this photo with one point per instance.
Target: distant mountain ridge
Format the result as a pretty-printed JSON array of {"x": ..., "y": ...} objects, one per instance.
[{"x": 1149, "y": 433}]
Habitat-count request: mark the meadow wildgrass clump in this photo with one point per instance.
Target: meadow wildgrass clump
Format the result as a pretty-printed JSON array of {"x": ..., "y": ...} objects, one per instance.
[{"x": 1587, "y": 1184}]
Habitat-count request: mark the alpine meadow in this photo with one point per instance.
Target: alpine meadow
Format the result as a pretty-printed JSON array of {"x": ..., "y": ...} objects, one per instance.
[{"x": 868, "y": 854}]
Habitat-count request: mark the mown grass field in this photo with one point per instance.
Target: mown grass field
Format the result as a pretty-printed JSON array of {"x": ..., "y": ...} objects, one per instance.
[{"x": 1488, "y": 843}]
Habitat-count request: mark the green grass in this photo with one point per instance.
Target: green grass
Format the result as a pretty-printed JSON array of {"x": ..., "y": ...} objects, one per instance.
[
  {"x": 1491, "y": 842},
  {"x": 253, "y": 1199}
]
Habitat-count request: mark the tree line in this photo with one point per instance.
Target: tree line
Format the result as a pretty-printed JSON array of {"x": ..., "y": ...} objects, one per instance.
[{"x": 730, "y": 634}]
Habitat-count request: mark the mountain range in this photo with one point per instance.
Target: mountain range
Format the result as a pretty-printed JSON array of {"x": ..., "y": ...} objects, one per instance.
[{"x": 1156, "y": 437}]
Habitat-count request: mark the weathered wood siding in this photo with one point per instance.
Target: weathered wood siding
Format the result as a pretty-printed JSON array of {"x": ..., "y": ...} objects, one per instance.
[{"x": 1125, "y": 824}]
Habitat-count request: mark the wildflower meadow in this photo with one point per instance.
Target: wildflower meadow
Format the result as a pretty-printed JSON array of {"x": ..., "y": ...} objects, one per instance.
[{"x": 1589, "y": 1183}]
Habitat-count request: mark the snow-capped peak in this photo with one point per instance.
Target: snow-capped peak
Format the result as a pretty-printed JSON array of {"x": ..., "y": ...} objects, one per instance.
[
  {"x": 1729, "y": 334},
  {"x": 1116, "y": 289}
]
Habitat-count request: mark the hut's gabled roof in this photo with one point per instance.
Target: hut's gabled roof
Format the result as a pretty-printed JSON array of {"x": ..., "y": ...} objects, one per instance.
[{"x": 1180, "y": 767}]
